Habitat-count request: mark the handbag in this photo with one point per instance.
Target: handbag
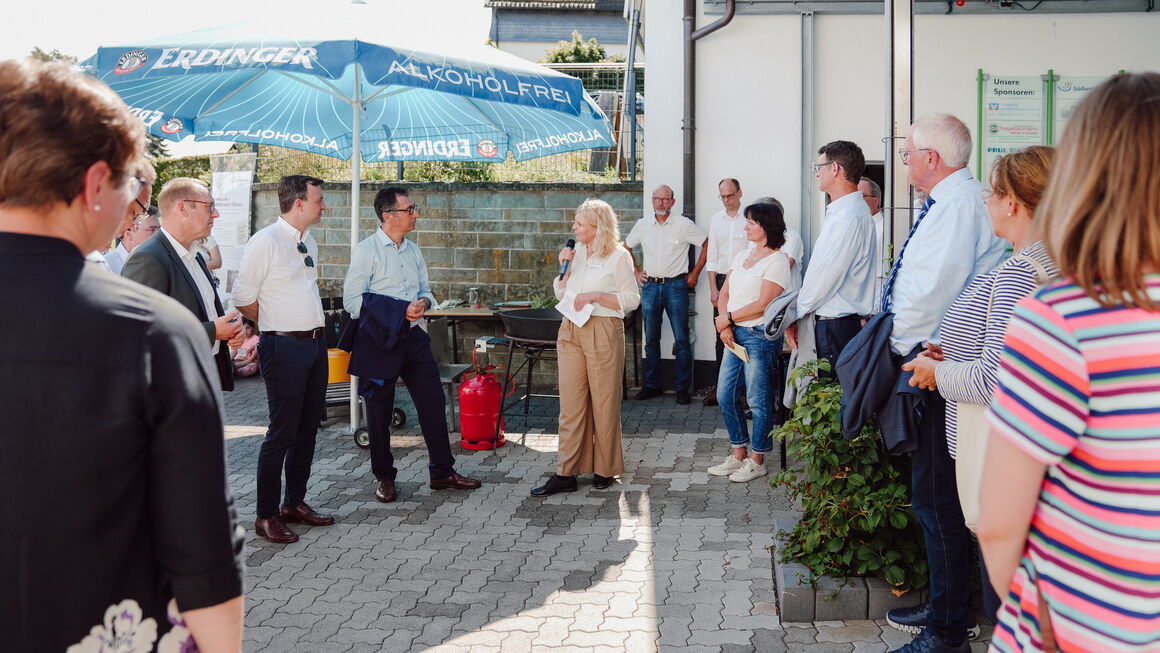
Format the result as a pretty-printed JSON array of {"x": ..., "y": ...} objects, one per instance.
[{"x": 974, "y": 431}]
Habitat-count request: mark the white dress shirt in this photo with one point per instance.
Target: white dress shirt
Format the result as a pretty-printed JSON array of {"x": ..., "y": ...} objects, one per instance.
[
  {"x": 952, "y": 245},
  {"x": 726, "y": 240},
  {"x": 880, "y": 269},
  {"x": 115, "y": 258},
  {"x": 745, "y": 283},
  {"x": 203, "y": 285},
  {"x": 840, "y": 280},
  {"x": 612, "y": 274},
  {"x": 665, "y": 245},
  {"x": 794, "y": 249},
  {"x": 274, "y": 273}
]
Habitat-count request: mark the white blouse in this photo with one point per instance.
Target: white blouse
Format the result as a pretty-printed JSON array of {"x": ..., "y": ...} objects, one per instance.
[
  {"x": 612, "y": 274},
  {"x": 745, "y": 283}
]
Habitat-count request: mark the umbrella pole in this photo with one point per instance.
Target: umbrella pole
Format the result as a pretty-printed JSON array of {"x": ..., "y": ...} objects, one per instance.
[{"x": 355, "y": 184}]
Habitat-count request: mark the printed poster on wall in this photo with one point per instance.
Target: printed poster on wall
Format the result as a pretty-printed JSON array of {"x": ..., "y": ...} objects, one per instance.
[
  {"x": 1013, "y": 118},
  {"x": 1069, "y": 90},
  {"x": 232, "y": 186}
]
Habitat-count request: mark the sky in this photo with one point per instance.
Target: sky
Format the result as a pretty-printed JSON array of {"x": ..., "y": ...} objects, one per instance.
[{"x": 79, "y": 27}]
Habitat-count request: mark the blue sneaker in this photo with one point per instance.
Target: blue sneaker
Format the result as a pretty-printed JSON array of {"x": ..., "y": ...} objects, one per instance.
[
  {"x": 913, "y": 620},
  {"x": 928, "y": 642}
]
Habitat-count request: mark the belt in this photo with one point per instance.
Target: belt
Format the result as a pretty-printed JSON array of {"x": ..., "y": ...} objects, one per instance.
[
  {"x": 664, "y": 280},
  {"x": 312, "y": 334},
  {"x": 852, "y": 316}
]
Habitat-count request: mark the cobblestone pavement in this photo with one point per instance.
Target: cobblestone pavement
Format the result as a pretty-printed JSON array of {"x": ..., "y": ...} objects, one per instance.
[{"x": 667, "y": 559}]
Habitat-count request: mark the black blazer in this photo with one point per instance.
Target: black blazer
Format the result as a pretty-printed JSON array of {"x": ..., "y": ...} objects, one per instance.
[{"x": 154, "y": 263}]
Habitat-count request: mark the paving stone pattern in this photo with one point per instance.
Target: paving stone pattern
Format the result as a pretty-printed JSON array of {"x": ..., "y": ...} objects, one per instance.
[{"x": 668, "y": 559}]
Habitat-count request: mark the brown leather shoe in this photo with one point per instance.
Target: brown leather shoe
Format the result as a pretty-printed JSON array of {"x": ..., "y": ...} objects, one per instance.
[
  {"x": 455, "y": 482},
  {"x": 275, "y": 530},
  {"x": 303, "y": 513},
  {"x": 385, "y": 491}
]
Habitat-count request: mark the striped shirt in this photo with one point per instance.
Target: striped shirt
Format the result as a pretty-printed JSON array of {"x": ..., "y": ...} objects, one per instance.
[
  {"x": 1079, "y": 390},
  {"x": 971, "y": 334}
]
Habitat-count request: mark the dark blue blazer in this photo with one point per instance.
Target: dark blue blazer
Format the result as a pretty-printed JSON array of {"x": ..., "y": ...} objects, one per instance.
[
  {"x": 873, "y": 384},
  {"x": 373, "y": 338}
]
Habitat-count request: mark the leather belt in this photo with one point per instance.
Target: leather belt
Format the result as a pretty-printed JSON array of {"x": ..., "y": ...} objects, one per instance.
[
  {"x": 851, "y": 316},
  {"x": 664, "y": 280},
  {"x": 312, "y": 334}
]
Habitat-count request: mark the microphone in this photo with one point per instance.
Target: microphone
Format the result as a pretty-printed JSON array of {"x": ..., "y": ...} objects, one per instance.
[{"x": 564, "y": 266}]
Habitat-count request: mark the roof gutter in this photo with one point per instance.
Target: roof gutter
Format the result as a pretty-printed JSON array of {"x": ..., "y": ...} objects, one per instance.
[{"x": 688, "y": 127}]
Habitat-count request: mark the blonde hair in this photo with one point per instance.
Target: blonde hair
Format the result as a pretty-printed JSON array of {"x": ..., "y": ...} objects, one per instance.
[
  {"x": 176, "y": 189},
  {"x": 1022, "y": 176},
  {"x": 1100, "y": 215},
  {"x": 600, "y": 215}
]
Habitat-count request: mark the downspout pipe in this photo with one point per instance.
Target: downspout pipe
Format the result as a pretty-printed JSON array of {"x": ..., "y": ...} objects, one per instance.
[{"x": 689, "y": 125}]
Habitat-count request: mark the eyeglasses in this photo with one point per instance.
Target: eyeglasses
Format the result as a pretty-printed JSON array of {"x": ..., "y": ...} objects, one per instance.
[
  {"x": 904, "y": 153},
  {"x": 302, "y": 250},
  {"x": 824, "y": 164},
  {"x": 410, "y": 210},
  {"x": 212, "y": 204},
  {"x": 136, "y": 183},
  {"x": 987, "y": 194},
  {"x": 663, "y": 199},
  {"x": 729, "y": 196}
]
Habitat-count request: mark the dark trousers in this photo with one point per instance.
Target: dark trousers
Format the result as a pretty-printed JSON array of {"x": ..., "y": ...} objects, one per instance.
[
  {"x": 421, "y": 376},
  {"x": 671, "y": 298},
  {"x": 948, "y": 542},
  {"x": 719, "y": 347},
  {"x": 295, "y": 371},
  {"x": 831, "y": 337}
]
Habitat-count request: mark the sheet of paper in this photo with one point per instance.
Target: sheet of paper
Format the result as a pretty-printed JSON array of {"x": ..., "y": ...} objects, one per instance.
[
  {"x": 567, "y": 308},
  {"x": 740, "y": 351}
]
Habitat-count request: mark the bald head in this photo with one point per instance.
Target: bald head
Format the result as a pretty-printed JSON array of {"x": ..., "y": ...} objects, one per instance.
[{"x": 662, "y": 202}]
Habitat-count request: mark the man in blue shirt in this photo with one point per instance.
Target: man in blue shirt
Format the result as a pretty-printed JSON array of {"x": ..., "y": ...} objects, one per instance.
[
  {"x": 949, "y": 245},
  {"x": 839, "y": 284},
  {"x": 389, "y": 264}
]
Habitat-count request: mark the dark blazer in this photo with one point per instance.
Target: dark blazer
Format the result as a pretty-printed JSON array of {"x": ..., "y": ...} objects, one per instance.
[
  {"x": 154, "y": 263},
  {"x": 874, "y": 385},
  {"x": 372, "y": 338}
]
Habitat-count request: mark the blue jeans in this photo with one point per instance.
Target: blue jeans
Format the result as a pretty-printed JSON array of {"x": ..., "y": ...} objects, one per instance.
[
  {"x": 673, "y": 298},
  {"x": 295, "y": 371},
  {"x": 759, "y": 379},
  {"x": 948, "y": 542}
]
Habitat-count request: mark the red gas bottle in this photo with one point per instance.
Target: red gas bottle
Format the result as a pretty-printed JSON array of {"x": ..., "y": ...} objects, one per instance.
[{"x": 479, "y": 403}]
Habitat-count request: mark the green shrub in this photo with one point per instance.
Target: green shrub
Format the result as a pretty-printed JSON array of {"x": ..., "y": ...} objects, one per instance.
[{"x": 857, "y": 519}]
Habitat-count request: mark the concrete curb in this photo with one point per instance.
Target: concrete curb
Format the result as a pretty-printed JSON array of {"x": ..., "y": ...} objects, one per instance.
[{"x": 830, "y": 599}]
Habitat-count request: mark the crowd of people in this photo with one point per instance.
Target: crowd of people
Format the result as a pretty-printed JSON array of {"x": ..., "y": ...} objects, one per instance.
[{"x": 1029, "y": 380}]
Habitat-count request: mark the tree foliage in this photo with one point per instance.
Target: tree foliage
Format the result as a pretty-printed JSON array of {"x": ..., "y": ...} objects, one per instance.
[
  {"x": 576, "y": 51},
  {"x": 857, "y": 519}
]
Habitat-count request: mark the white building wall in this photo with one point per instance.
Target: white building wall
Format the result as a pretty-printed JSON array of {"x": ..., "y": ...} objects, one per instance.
[{"x": 749, "y": 91}]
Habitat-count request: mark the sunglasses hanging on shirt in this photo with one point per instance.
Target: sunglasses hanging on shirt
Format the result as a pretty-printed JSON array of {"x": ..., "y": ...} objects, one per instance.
[{"x": 302, "y": 250}]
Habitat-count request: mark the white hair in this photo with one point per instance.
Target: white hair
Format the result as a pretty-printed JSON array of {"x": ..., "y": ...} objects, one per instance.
[{"x": 944, "y": 134}]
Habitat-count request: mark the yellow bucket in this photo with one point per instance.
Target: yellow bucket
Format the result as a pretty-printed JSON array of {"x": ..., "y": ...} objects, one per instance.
[{"x": 337, "y": 359}]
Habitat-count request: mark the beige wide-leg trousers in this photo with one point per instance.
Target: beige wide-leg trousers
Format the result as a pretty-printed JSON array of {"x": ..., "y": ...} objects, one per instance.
[{"x": 591, "y": 364}]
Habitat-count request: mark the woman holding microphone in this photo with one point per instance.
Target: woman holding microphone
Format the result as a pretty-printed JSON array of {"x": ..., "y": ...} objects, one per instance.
[{"x": 591, "y": 357}]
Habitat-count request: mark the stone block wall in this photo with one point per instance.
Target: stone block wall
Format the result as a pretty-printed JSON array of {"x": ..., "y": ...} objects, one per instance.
[{"x": 500, "y": 237}]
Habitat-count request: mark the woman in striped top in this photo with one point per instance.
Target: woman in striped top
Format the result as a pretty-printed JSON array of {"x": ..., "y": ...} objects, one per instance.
[
  {"x": 964, "y": 360},
  {"x": 1070, "y": 506}
]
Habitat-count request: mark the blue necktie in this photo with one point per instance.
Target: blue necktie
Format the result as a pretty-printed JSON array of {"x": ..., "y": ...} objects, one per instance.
[{"x": 888, "y": 291}]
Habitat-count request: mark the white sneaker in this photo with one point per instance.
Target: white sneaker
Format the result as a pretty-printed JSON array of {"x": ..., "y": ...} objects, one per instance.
[
  {"x": 726, "y": 468},
  {"x": 748, "y": 471}
]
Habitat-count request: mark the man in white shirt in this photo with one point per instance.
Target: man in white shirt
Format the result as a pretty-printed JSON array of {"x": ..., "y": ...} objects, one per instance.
[
  {"x": 872, "y": 194},
  {"x": 839, "y": 286},
  {"x": 726, "y": 239},
  {"x": 166, "y": 264},
  {"x": 277, "y": 287},
  {"x": 142, "y": 228},
  {"x": 666, "y": 281},
  {"x": 949, "y": 245}
]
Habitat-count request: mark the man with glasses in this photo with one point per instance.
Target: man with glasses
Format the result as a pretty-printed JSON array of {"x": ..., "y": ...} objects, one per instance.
[
  {"x": 142, "y": 228},
  {"x": 666, "y": 279},
  {"x": 949, "y": 245},
  {"x": 166, "y": 264},
  {"x": 838, "y": 287},
  {"x": 726, "y": 239},
  {"x": 872, "y": 194},
  {"x": 142, "y": 183},
  {"x": 387, "y": 290},
  {"x": 277, "y": 287}
]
